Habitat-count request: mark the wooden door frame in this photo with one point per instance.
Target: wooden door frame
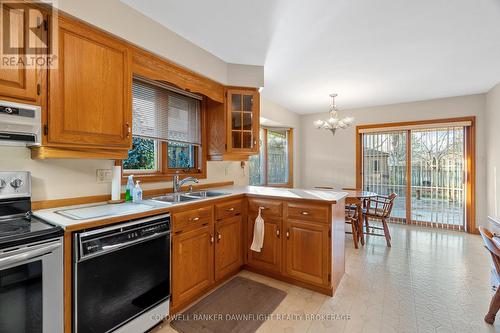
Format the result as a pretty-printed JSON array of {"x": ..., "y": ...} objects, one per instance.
[{"x": 470, "y": 159}]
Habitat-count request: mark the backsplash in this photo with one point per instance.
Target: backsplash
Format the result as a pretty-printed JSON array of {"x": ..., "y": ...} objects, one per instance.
[{"x": 65, "y": 178}]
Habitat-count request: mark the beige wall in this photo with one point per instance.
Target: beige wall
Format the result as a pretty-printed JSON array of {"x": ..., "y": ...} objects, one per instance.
[
  {"x": 57, "y": 179},
  {"x": 330, "y": 160},
  {"x": 121, "y": 20},
  {"x": 279, "y": 116},
  {"x": 493, "y": 152}
]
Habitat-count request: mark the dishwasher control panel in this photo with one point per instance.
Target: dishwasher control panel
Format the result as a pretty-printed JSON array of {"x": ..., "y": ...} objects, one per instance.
[{"x": 99, "y": 241}]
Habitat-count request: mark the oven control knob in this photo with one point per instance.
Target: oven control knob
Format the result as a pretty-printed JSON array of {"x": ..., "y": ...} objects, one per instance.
[
  {"x": 2, "y": 183},
  {"x": 16, "y": 183}
]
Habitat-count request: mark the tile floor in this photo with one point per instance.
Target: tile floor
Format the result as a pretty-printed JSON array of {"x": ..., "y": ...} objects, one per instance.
[{"x": 429, "y": 281}]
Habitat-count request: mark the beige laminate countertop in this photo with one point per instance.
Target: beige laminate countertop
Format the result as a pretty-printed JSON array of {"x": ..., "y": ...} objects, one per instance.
[{"x": 320, "y": 196}]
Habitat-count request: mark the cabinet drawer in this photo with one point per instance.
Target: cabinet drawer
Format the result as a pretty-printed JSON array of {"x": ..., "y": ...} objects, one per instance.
[
  {"x": 228, "y": 209},
  {"x": 308, "y": 212},
  {"x": 191, "y": 218},
  {"x": 271, "y": 207}
]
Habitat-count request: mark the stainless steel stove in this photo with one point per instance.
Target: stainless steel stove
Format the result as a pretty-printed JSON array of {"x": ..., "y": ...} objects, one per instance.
[{"x": 31, "y": 262}]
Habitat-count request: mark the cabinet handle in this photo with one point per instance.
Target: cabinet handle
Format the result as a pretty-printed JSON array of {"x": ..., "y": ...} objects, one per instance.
[
  {"x": 211, "y": 238},
  {"x": 304, "y": 212},
  {"x": 278, "y": 233},
  {"x": 194, "y": 219},
  {"x": 230, "y": 209},
  {"x": 219, "y": 236},
  {"x": 288, "y": 234},
  {"x": 127, "y": 130}
]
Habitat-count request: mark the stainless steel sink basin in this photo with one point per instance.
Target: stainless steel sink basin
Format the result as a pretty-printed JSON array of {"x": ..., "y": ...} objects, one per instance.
[
  {"x": 174, "y": 198},
  {"x": 206, "y": 194},
  {"x": 187, "y": 196}
]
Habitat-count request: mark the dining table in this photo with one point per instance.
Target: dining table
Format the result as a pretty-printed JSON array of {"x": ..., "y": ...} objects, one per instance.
[{"x": 357, "y": 197}]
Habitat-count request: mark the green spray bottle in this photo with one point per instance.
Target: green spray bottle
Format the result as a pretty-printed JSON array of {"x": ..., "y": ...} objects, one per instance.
[{"x": 129, "y": 188}]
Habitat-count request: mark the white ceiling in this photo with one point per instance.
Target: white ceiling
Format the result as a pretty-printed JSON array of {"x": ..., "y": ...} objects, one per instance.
[{"x": 369, "y": 52}]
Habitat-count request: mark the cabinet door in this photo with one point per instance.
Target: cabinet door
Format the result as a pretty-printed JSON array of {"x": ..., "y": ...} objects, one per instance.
[
  {"x": 192, "y": 263},
  {"x": 306, "y": 250},
  {"x": 90, "y": 91},
  {"x": 228, "y": 247},
  {"x": 243, "y": 121},
  {"x": 19, "y": 82},
  {"x": 269, "y": 258}
]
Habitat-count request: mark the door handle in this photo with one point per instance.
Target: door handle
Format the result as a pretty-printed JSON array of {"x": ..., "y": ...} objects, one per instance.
[
  {"x": 288, "y": 234},
  {"x": 27, "y": 255},
  {"x": 211, "y": 238},
  {"x": 219, "y": 237},
  {"x": 278, "y": 233}
]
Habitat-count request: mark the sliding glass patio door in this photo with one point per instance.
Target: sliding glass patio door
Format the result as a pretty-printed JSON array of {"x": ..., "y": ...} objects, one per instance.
[
  {"x": 425, "y": 167},
  {"x": 438, "y": 177},
  {"x": 384, "y": 167}
]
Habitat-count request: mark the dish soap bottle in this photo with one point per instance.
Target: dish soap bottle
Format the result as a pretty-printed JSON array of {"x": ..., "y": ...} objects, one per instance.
[
  {"x": 129, "y": 188},
  {"x": 137, "y": 195}
]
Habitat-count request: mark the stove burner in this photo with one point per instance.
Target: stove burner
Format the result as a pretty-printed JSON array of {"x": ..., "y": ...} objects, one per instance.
[{"x": 14, "y": 227}]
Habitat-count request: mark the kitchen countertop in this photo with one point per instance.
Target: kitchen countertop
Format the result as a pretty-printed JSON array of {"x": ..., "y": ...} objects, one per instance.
[{"x": 52, "y": 216}]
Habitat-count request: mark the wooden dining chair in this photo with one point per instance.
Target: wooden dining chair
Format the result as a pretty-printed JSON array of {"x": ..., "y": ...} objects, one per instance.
[
  {"x": 353, "y": 219},
  {"x": 379, "y": 208},
  {"x": 494, "y": 250}
]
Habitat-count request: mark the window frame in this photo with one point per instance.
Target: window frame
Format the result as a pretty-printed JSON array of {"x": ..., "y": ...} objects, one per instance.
[
  {"x": 290, "y": 159},
  {"x": 164, "y": 173}
]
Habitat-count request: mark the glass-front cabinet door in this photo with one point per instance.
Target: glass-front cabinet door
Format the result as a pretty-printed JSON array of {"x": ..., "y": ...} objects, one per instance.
[{"x": 243, "y": 121}]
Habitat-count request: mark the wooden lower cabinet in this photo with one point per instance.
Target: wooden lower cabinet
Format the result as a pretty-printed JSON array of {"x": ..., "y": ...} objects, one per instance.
[
  {"x": 192, "y": 263},
  {"x": 269, "y": 258},
  {"x": 306, "y": 251},
  {"x": 228, "y": 246}
]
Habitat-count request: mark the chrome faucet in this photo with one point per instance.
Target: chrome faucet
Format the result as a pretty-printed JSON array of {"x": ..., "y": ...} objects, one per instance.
[{"x": 176, "y": 183}]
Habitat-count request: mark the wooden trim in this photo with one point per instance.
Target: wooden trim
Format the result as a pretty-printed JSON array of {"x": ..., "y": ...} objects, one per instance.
[
  {"x": 68, "y": 281},
  {"x": 45, "y": 204},
  {"x": 41, "y": 153},
  {"x": 158, "y": 68},
  {"x": 470, "y": 152},
  {"x": 470, "y": 119}
]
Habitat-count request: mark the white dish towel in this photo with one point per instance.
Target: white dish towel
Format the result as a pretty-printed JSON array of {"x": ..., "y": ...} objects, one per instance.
[{"x": 258, "y": 233}]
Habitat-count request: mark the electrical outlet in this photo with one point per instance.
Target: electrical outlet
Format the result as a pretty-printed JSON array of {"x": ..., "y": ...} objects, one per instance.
[{"x": 104, "y": 175}]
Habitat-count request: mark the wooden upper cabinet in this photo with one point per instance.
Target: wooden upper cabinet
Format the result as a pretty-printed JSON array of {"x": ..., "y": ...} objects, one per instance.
[
  {"x": 228, "y": 246},
  {"x": 192, "y": 263},
  {"x": 233, "y": 126},
  {"x": 18, "y": 82},
  {"x": 306, "y": 252},
  {"x": 90, "y": 91},
  {"x": 242, "y": 107}
]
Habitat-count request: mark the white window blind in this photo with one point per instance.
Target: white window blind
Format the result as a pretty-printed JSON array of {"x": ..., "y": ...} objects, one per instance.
[{"x": 162, "y": 114}]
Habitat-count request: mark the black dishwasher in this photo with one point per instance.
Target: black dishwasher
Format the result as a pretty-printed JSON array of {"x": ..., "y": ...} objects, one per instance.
[{"x": 121, "y": 275}]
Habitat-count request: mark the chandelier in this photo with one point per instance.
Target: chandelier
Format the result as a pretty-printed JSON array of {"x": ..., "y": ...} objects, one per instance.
[{"x": 334, "y": 121}]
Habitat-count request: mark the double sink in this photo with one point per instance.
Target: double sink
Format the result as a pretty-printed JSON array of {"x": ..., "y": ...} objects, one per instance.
[{"x": 187, "y": 196}]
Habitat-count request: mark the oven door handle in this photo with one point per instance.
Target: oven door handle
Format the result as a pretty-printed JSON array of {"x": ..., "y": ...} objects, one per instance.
[{"x": 29, "y": 254}]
